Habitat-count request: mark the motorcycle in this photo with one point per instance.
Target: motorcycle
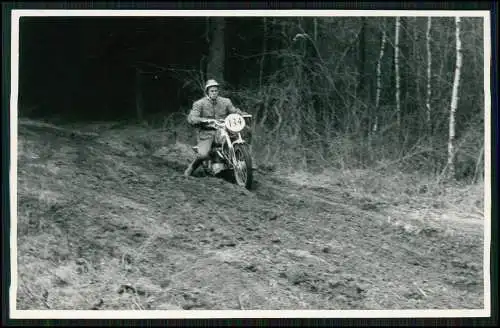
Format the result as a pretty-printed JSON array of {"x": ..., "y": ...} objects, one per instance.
[{"x": 230, "y": 152}]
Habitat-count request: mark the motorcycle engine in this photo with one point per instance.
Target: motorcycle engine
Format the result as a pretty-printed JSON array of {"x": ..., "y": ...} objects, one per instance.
[{"x": 218, "y": 167}]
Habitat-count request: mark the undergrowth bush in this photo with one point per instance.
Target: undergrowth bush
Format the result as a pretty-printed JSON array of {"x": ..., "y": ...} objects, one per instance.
[
  {"x": 312, "y": 115},
  {"x": 283, "y": 137}
]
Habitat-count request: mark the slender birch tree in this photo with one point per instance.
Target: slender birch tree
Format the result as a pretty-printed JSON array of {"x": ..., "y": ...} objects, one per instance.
[
  {"x": 396, "y": 64},
  {"x": 429, "y": 66},
  {"x": 454, "y": 100},
  {"x": 379, "y": 77},
  {"x": 416, "y": 57},
  {"x": 362, "y": 58}
]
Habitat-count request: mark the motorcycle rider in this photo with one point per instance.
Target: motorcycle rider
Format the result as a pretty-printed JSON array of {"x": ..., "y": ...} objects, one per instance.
[{"x": 210, "y": 107}]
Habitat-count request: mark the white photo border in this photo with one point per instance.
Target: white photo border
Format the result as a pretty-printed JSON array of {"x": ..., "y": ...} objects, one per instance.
[{"x": 16, "y": 14}]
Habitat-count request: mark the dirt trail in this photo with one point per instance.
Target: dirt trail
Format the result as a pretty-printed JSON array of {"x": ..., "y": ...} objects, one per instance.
[{"x": 114, "y": 225}]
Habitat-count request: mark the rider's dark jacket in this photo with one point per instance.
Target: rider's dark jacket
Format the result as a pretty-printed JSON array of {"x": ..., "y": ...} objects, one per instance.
[{"x": 206, "y": 108}]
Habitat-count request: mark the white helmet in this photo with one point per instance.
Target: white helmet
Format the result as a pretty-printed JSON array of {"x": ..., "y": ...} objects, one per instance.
[{"x": 211, "y": 83}]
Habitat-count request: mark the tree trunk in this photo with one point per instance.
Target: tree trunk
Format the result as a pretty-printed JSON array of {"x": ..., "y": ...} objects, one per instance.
[
  {"x": 396, "y": 64},
  {"x": 362, "y": 58},
  {"x": 379, "y": 79},
  {"x": 315, "y": 22},
  {"x": 139, "y": 99},
  {"x": 264, "y": 50},
  {"x": 441, "y": 84},
  {"x": 416, "y": 59},
  {"x": 454, "y": 101},
  {"x": 429, "y": 65},
  {"x": 216, "y": 58}
]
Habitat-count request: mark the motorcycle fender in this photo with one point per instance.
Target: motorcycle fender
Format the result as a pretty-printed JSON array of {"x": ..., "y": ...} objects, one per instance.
[{"x": 239, "y": 140}]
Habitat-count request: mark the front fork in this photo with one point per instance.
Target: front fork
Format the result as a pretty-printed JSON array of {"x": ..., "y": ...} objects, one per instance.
[{"x": 230, "y": 155}]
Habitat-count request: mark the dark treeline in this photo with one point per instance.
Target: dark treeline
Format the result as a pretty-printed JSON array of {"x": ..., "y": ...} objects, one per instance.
[
  {"x": 86, "y": 67},
  {"x": 328, "y": 81}
]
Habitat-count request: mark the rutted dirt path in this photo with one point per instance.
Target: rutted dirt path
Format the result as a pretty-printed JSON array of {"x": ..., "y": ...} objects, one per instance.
[{"x": 105, "y": 227}]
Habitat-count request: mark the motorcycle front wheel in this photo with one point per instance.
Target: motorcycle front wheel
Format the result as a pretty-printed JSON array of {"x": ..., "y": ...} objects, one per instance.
[{"x": 243, "y": 166}]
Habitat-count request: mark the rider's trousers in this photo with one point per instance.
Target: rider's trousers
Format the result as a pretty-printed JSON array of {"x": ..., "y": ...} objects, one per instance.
[{"x": 204, "y": 146}]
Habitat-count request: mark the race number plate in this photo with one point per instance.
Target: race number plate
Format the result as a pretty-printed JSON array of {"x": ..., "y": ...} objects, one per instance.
[{"x": 235, "y": 122}]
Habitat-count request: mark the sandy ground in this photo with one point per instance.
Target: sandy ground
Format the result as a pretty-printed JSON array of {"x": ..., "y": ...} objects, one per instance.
[{"x": 107, "y": 222}]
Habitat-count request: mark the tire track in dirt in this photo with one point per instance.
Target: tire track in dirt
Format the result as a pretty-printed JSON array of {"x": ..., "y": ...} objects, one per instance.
[
  {"x": 422, "y": 255},
  {"x": 204, "y": 243}
]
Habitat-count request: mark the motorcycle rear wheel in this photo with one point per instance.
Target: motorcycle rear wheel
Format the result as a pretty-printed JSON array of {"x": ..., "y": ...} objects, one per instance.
[{"x": 242, "y": 171}]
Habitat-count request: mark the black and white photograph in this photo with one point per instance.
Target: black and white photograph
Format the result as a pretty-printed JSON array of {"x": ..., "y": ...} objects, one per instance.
[{"x": 253, "y": 163}]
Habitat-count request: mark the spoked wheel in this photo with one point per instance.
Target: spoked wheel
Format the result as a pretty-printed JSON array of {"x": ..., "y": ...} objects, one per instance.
[{"x": 243, "y": 166}]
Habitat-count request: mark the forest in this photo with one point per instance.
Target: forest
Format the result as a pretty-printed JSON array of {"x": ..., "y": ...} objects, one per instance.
[{"x": 358, "y": 91}]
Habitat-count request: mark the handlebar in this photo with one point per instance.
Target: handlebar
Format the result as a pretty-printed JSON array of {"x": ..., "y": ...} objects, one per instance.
[
  {"x": 216, "y": 123},
  {"x": 219, "y": 123}
]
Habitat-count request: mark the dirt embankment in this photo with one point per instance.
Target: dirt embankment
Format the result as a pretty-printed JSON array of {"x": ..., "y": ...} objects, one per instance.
[{"x": 107, "y": 222}]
